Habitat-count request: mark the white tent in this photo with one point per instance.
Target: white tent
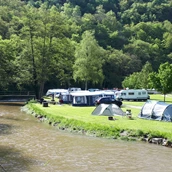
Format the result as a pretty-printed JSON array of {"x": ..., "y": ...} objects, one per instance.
[
  {"x": 156, "y": 110},
  {"x": 108, "y": 110}
]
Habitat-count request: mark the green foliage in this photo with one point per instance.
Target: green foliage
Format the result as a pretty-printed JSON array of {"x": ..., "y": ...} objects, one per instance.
[
  {"x": 45, "y": 45},
  {"x": 8, "y": 53},
  {"x": 138, "y": 79},
  {"x": 136, "y": 11},
  {"x": 88, "y": 63},
  {"x": 165, "y": 77},
  {"x": 162, "y": 80},
  {"x": 116, "y": 66},
  {"x": 40, "y": 38}
]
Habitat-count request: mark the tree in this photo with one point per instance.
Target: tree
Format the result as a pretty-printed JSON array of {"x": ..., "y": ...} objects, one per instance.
[
  {"x": 143, "y": 79},
  {"x": 138, "y": 79},
  {"x": 88, "y": 60},
  {"x": 45, "y": 45},
  {"x": 7, "y": 65},
  {"x": 139, "y": 48},
  {"x": 132, "y": 81},
  {"x": 117, "y": 66},
  {"x": 162, "y": 80}
]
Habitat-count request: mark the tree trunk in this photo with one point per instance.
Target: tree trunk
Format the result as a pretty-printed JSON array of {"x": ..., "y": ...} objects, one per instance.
[
  {"x": 164, "y": 97},
  {"x": 86, "y": 85},
  {"x": 35, "y": 82},
  {"x": 41, "y": 89}
]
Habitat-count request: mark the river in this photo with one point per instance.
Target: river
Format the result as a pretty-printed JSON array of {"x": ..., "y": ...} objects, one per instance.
[{"x": 27, "y": 145}]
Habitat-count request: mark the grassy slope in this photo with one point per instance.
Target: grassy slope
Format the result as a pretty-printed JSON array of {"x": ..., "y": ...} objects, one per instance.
[{"x": 83, "y": 115}]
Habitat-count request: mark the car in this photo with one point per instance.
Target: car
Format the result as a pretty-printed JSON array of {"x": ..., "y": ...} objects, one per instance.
[{"x": 108, "y": 100}]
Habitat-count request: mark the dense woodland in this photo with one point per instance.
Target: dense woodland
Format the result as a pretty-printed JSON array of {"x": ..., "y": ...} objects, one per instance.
[{"x": 83, "y": 43}]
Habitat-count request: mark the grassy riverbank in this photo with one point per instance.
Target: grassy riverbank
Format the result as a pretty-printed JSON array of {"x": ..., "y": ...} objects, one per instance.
[{"x": 79, "y": 119}]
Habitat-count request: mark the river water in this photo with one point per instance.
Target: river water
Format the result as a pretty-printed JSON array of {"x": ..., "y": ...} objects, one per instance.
[{"x": 27, "y": 145}]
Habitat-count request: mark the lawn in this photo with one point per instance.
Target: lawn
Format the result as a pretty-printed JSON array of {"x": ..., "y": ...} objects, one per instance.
[{"x": 84, "y": 118}]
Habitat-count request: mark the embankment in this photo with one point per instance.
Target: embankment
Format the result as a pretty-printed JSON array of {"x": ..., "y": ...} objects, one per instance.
[{"x": 85, "y": 127}]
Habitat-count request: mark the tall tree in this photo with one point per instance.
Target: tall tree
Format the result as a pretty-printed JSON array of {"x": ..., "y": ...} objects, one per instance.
[
  {"x": 29, "y": 33},
  {"x": 7, "y": 65},
  {"x": 162, "y": 80},
  {"x": 138, "y": 79},
  {"x": 132, "y": 81},
  {"x": 45, "y": 45},
  {"x": 118, "y": 65},
  {"x": 143, "y": 79},
  {"x": 89, "y": 60}
]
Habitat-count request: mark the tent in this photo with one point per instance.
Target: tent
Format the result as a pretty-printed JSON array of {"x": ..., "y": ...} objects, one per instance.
[
  {"x": 156, "y": 110},
  {"x": 108, "y": 110}
]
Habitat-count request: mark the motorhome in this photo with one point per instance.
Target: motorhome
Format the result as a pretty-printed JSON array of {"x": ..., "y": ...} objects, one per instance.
[{"x": 132, "y": 94}]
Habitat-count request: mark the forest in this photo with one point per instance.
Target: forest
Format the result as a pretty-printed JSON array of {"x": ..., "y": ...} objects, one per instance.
[{"x": 84, "y": 43}]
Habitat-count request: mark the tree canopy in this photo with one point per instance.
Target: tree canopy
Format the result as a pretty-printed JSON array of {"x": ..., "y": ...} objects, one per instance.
[
  {"x": 89, "y": 60},
  {"x": 61, "y": 43},
  {"x": 162, "y": 79}
]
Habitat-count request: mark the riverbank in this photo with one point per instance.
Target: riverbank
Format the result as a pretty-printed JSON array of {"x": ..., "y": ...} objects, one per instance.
[{"x": 80, "y": 120}]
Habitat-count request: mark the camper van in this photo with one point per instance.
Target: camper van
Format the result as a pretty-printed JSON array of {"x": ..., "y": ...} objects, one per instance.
[{"x": 132, "y": 94}]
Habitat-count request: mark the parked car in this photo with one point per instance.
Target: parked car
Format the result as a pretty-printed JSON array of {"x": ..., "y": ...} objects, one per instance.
[{"x": 108, "y": 100}]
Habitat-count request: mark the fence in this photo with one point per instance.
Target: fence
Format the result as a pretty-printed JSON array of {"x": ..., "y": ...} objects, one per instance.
[{"x": 28, "y": 93}]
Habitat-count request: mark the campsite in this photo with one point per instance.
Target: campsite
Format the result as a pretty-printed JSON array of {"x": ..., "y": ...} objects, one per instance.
[{"x": 81, "y": 120}]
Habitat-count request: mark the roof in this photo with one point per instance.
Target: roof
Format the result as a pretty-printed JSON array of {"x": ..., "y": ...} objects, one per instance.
[
  {"x": 108, "y": 110},
  {"x": 88, "y": 93},
  {"x": 156, "y": 110}
]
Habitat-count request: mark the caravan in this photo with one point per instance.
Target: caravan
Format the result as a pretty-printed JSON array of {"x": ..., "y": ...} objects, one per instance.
[
  {"x": 56, "y": 92},
  {"x": 88, "y": 98},
  {"x": 132, "y": 94}
]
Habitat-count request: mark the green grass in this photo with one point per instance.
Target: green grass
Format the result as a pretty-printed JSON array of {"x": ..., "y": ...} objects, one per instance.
[
  {"x": 160, "y": 97},
  {"x": 80, "y": 118}
]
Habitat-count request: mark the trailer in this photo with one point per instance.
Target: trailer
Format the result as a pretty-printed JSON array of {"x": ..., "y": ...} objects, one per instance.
[
  {"x": 85, "y": 98},
  {"x": 132, "y": 94},
  {"x": 56, "y": 92}
]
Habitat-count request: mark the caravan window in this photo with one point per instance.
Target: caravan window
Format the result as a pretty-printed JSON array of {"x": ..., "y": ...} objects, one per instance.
[
  {"x": 79, "y": 99},
  {"x": 64, "y": 97},
  {"x": 123, "y": 94},
  {"x": 131, "y": 93},
  {"x": 139, "y": 93},
  {"x": 111, "y": 96},
  {"x": 143, "y": 92}
]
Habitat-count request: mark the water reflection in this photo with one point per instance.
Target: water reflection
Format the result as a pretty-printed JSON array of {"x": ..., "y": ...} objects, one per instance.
[
  {"x": 5, "y": 129},
  {"x": 11, "y": 159},
  {"x": 31, "y": 146},
  {"x": 12, "y": 103}
]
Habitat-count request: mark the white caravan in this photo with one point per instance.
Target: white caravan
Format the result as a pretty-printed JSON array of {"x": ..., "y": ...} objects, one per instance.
[
  {"x": 55, "y": 92},
  {"x": 132, "y": 94}
]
